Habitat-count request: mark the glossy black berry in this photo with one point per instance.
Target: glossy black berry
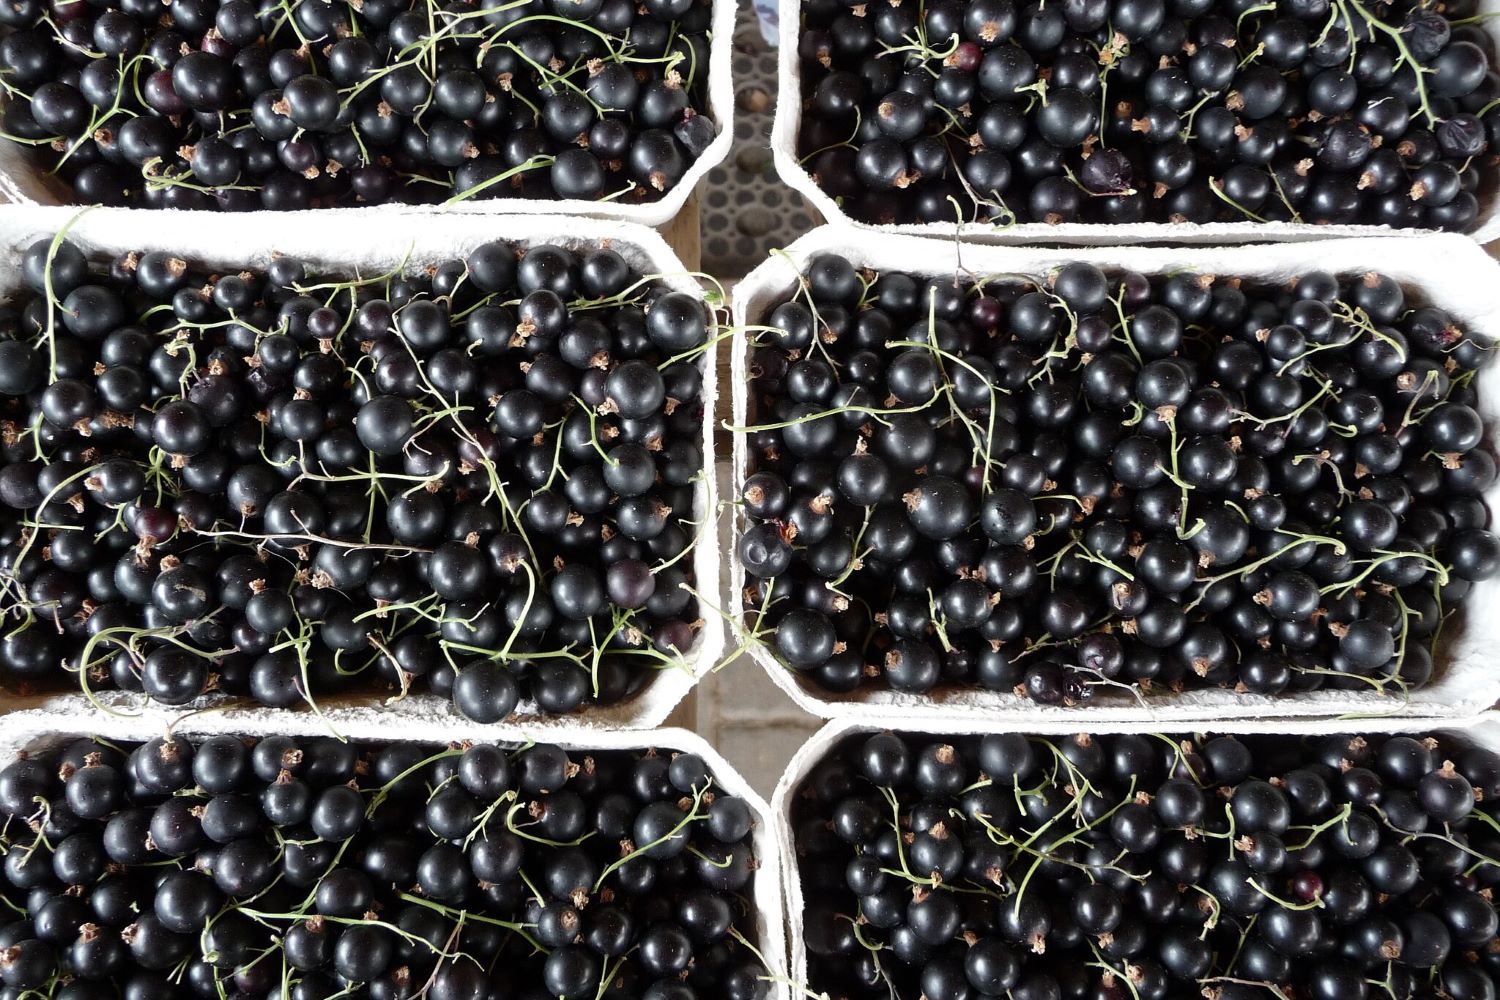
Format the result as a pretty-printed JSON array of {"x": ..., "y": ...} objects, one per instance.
[
  {"x": 409, "y": 858},
  {"x": 1144, "y": 111},
  {"x": 1308, "y": 897},
  {"x": 213, "y": 107},
  {"x": 204, "y": 434},
  {"x": 1052, "y": 488}
]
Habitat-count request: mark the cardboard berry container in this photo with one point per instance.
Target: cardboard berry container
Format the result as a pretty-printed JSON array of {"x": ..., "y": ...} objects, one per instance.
[
  {"x": 1483, "y": 730},
  {"x": 1445, "y": 270},
  {"x": 341, "y": 243},
  {"x": 23, "y": 180},
  {"x": 41, "y": 729},
  {"x": 788, "y": 123}
]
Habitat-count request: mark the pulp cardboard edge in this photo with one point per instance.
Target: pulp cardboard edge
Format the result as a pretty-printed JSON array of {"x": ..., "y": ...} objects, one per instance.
[
  {"x": 788, "y": 120},
  {"x": 341, "y": 241},
  {"x": 21, "y": 182},
  {"x": 1484, "y": 729},
  {"x": 24, "y": 729},
  {"x": 1450, "y": 270}
]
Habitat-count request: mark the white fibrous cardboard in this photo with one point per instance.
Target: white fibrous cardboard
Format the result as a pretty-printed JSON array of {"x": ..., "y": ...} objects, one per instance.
[
  {"x": 345, "y": 244},
  {"x": 788, "y": 122},
  {"x": 44, "y": 728},
  {"x": 1443, "y": 270},
  {"x": 23, "y": 180},
  {"x": 1483, "y": 730}
]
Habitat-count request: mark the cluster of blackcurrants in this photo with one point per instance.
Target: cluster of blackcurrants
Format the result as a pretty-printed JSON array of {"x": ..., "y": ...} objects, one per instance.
[
  {"x": 1095, "y": 481},
  {"x": 313, "y": 868},
  {"x": 482, "y": 474},
  {"x": 1151, "y": 867},
  {"x": 1120, "y": 111},
  {"x": 240, "y": 105}
]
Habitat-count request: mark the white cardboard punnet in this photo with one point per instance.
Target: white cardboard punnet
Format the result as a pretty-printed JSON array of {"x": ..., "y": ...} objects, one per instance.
[
  {"x": 788, "y": 122},
  {"x": 1447, "y": 270},
  {"x": 22, "y": 181},
  {"x": 40, "y": 728},
  {"x": 1482, "y": 729},
  {"x": 347, "y": 243}
]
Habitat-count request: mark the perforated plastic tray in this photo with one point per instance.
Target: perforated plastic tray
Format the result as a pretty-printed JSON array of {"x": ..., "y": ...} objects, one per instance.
[{"x": 745, "y": 208}]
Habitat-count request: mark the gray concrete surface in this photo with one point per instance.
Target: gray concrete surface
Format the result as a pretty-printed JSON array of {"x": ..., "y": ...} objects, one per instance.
[{"x": 751, "y": 721}]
